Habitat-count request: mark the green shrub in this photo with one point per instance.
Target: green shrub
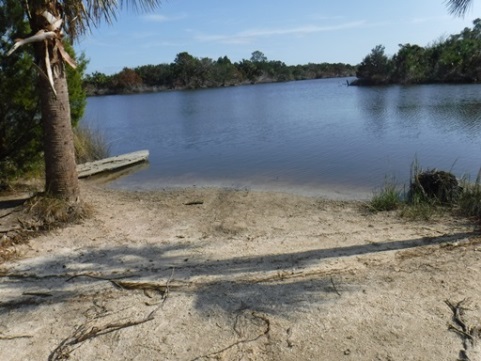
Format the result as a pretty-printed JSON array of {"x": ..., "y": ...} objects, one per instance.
[
  {"x": 387, "y": 199},
  {"x": 431, "y": 193}
]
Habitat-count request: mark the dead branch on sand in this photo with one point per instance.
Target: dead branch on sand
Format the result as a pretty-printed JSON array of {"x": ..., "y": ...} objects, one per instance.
[
  {"x": 84, "y": 333},
  {"x": 467, "y": 333}
]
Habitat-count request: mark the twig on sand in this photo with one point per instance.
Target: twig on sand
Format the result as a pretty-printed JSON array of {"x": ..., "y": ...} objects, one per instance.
[
  {"x": 458, "y": 312},
  {"x": 8, "y": 213},
  {"x": 137, "y": 285},
  {"x": 167, "y": 284},
  {"x": 16, "y": 209},
  {"x": 8, "y": 230},
  {"x": 334, "y": 287},
  {"x": 13, "y": 337},
  {"x": 466, "y": 332},
  {"x": 163, "y": 289},
  {"x": 193, "y": 203},
  {"x": 265, "y": 332},
  {"x": 146, "y": 286},
  {"x": 90, "y": 276},
  {"x": 84, "y": 333}
]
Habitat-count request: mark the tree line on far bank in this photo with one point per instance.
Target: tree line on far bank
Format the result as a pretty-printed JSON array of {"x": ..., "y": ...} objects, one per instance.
[
  {"x": 456, "y": 59},
  {"x": 189, "y": 72}
]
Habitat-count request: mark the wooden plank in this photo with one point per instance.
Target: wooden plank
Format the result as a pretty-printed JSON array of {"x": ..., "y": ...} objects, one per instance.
[{"x": 112, "y": 163}]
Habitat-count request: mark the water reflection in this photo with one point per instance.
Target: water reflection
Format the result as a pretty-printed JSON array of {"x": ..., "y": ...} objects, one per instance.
[
  {"x": 409, "y": 107},
  {"x": 192, "y": 125},
  {"x": 373, "y": 103},
  {"x": 458, "y": 117},
  {"x": 449, "y": 109}
]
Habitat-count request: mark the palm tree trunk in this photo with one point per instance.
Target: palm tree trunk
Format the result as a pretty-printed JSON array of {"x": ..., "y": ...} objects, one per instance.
[{"x": 61, "y": 179}]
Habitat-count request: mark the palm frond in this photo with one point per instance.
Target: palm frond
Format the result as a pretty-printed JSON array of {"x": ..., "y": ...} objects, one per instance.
[
  {"x": 458, "y": 7},
  {"x": 84, "y": 14}
]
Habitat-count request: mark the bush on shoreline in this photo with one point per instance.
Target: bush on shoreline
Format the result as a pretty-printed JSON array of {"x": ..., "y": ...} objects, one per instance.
[{"x": 430, "y": 192}]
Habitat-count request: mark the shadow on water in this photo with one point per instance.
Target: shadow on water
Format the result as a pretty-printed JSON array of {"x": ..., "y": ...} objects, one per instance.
[
  {"x": 108, "y": 177},
  {"x": 66, "y": 277}
]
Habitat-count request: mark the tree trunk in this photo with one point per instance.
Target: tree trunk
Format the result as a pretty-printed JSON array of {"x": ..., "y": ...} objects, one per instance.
[{"x": 60, "y": 167}]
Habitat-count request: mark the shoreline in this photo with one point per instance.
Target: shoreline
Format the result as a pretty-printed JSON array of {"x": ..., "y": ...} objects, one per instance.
[{"x": 335, "y": 192}]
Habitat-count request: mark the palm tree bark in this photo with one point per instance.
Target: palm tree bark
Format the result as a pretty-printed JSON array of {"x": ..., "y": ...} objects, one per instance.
[{"x": 61, "y": 179}]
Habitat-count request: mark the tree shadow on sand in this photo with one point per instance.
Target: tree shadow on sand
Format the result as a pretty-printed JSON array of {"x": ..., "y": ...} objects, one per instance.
[{"x": 264, "y": 283}]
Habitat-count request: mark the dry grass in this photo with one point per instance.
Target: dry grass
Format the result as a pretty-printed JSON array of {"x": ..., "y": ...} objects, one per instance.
[
  {"x": 90, "y": 145},
  {"x": 28, "y": 217},
  {"x": 50, "y": 211},
  {"x": 470, "y": 200}
]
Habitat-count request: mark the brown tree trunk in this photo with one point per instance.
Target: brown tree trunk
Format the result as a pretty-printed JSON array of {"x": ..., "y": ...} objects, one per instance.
[{"x": 60, "y": 167}]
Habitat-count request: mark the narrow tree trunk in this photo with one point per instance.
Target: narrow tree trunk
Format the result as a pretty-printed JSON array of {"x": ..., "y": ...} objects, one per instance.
[{"x": 60, "y": 167}]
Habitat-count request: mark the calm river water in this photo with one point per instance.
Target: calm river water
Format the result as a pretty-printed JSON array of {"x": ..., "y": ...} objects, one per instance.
[{"x": 307, "y": 136}]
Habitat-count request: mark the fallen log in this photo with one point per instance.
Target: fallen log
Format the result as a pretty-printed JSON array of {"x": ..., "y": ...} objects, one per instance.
[{"x": 112, "y": 163}]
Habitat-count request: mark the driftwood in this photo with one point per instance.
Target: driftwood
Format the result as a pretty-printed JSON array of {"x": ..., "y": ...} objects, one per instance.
[{"x": 112, "y": 163}]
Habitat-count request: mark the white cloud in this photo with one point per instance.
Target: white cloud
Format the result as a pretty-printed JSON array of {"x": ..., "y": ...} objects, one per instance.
[
  {"x": 429, "y": 19},
  {"x": 249, "y": 35},
  {"x": 155, "y": 18},
  {"x": 159, "y": 44},
  {"x": 309, "y": 29},
  {"x": 326, "y": 17},
  {"x": 158, "y": 18},
  {"x": 225, "y": 39}
]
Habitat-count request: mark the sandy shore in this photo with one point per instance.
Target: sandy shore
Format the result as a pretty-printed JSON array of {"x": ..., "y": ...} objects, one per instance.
[{"x": 222, "y": 274}]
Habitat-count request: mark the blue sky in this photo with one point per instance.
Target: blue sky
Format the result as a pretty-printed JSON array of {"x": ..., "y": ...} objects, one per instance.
[{"x": 295, "y": 32}]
